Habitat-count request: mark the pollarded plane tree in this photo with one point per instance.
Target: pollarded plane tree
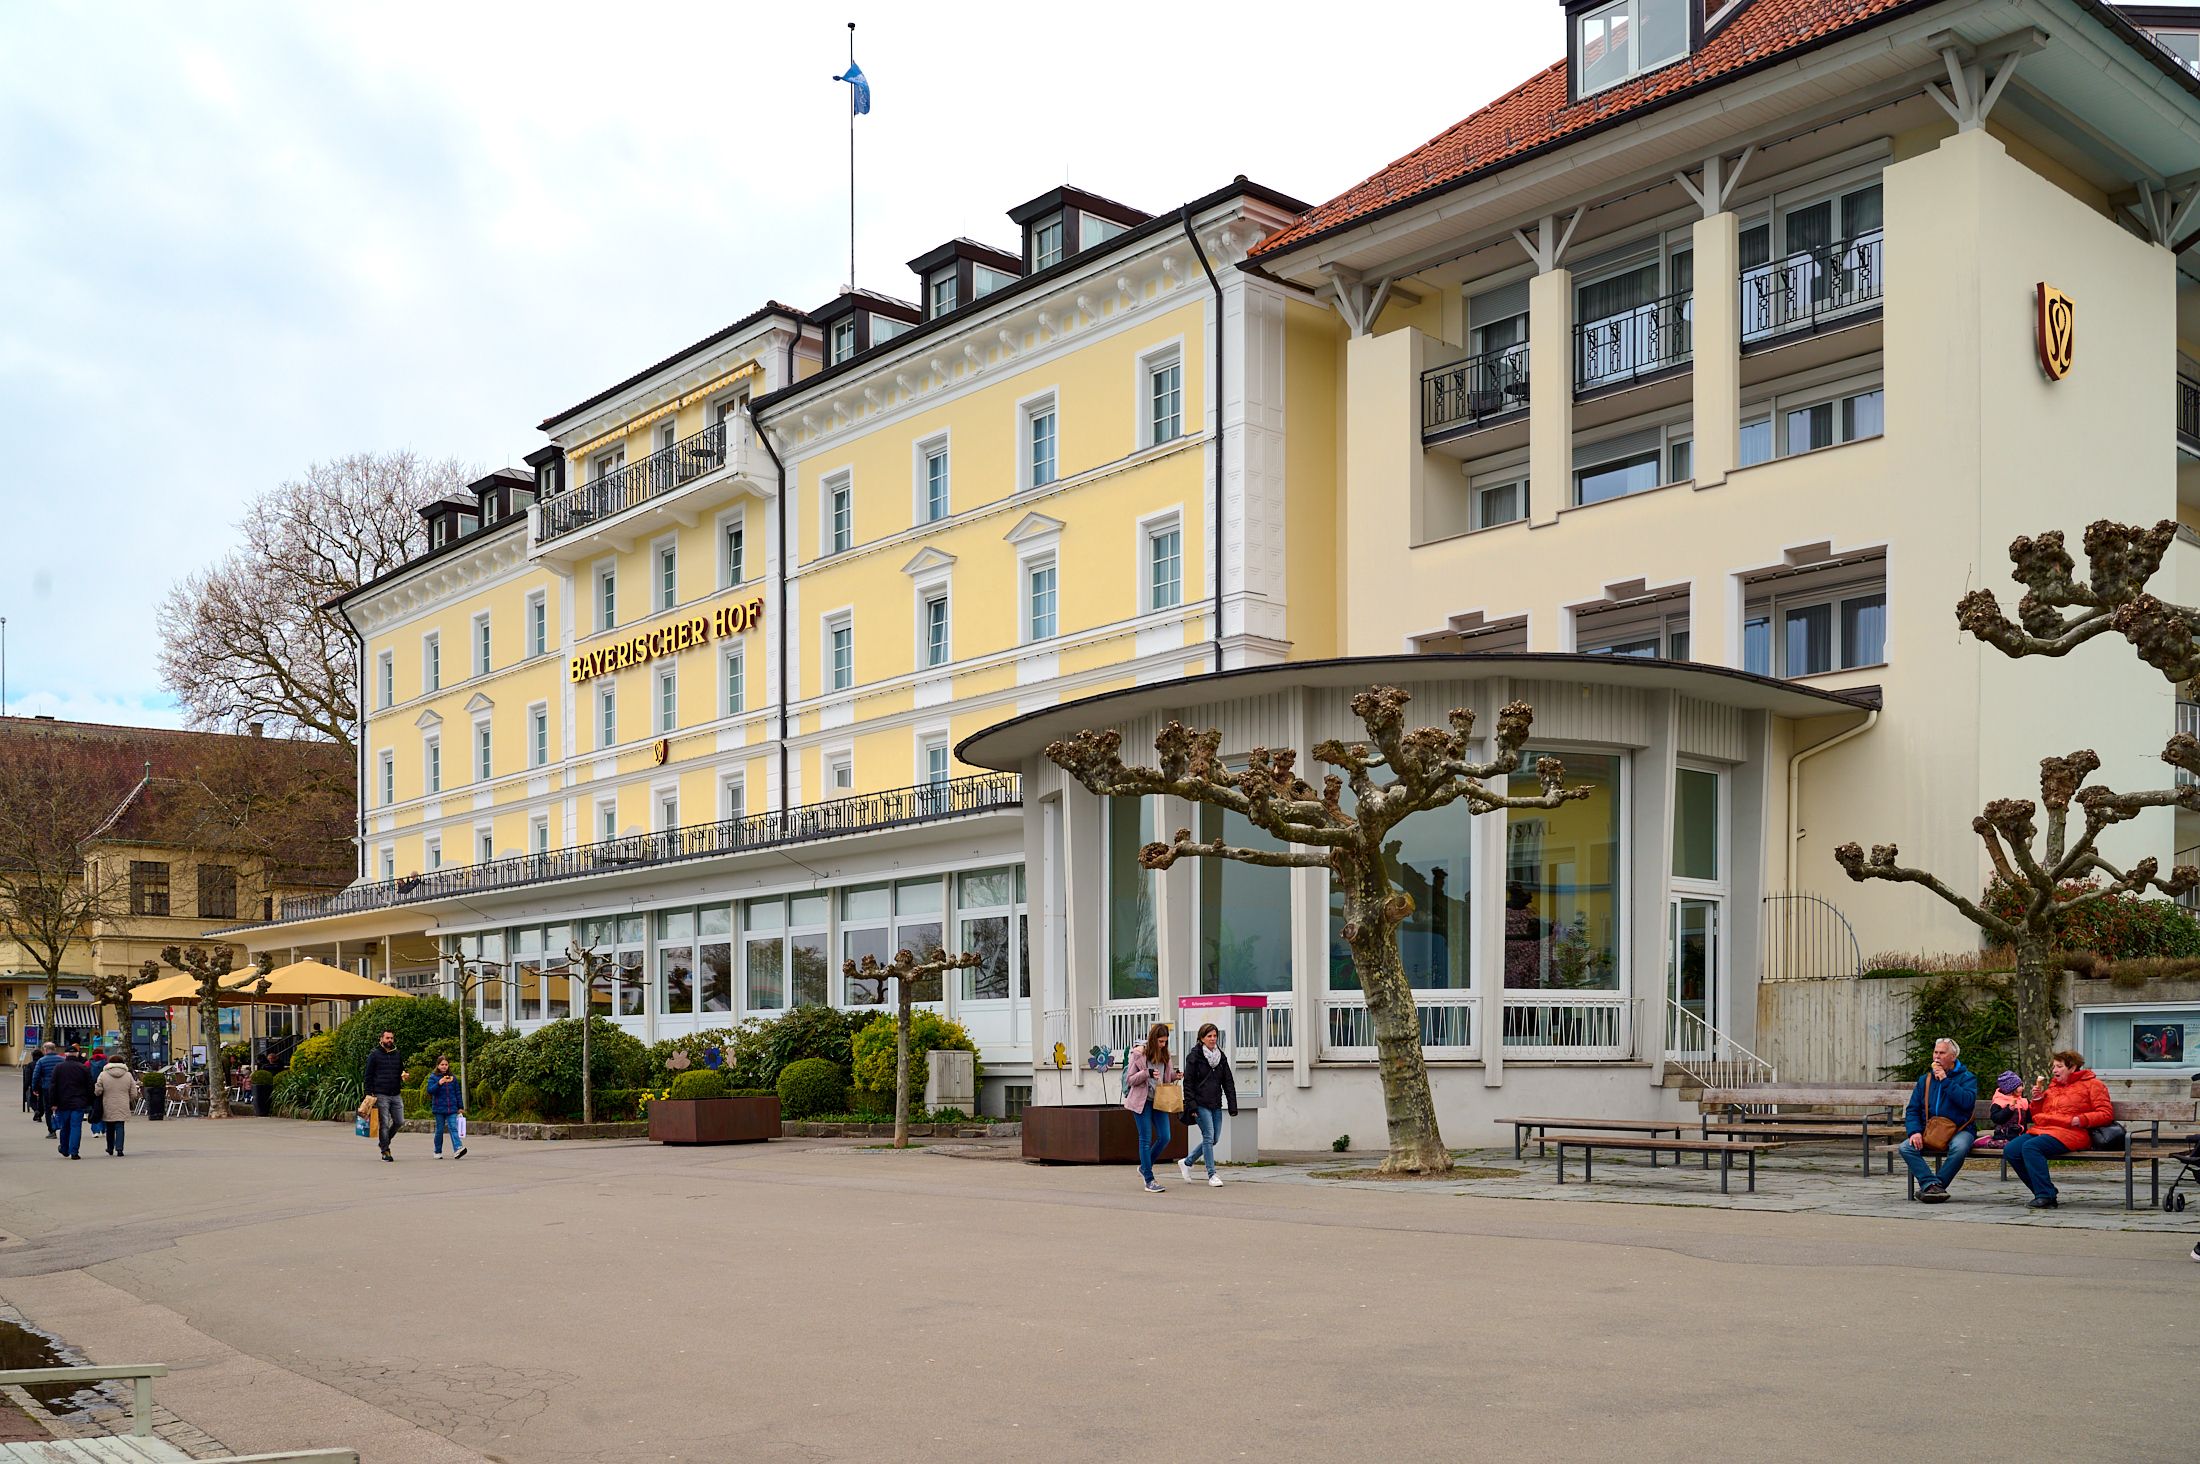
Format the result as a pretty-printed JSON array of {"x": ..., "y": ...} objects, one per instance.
[
  {"x": 906, "y": 970},
  {"x": 2056, "y": 870},
  {"x": 211, "y": 968},
  {"x": 1428, "y": 768}
]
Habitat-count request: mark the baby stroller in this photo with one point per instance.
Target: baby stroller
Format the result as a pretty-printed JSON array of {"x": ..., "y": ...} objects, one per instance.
[{"x": 2188, "y": 1172}]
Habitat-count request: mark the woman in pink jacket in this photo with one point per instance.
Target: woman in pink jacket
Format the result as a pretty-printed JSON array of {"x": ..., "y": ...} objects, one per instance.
[{"x": 1149, "y": 1065}]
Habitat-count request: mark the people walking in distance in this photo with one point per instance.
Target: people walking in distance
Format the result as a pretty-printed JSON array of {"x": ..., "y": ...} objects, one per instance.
[
  {"x": 1939, "y": 1121},
  {"x": 41, "y": 1085},
  {"x": 2066, "y": 1107},
  {"x": 71, "y": 1092},
  {"x": 384, "y": 1082},
  {"x": 1144, "y": 1080},
  {"x": 114, "y": 1092},
  {"x": 1208, "y": 1086},
  {"x": 447, "y": 1101}
]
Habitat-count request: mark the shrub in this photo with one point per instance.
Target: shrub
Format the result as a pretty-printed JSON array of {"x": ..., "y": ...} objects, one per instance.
[
  {"x": 1341, "y": 1143},
  {"x": 154, "y": 1079},
  {"x": 872, "y": 1069},
  {"x": 235, "y": 1053},
  {"x": 726, "y": 1039},
  {"x": 263, "y": 1078},
  {"x": 702, "y": 1083},
  {"x": 1976, "y": 1010},
  {"x": 2114, "y": 929},
  {"x": 314, "y": 1056},
  {"x": 415, "y": 1101},
  {"x": 417, "y": 1021},
  {"x": 524, "y": 1103},
  {"x": 763, "y": 1050},
  {"x": 549, "y": 1060},
  {"x": 619, "y": 1105},
  {"x": 812, "y": 1085}
]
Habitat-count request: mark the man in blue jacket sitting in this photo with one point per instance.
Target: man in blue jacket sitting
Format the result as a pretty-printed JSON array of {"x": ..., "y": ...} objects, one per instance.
[{"x": 1947, "y": 1090}]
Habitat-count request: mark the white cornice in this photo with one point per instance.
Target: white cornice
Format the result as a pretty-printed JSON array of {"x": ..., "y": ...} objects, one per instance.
[
  {"x": 765, "y": 345},
  {"x": 454, "y": 575},
  {"x": 428, "y": 720},
  {"x": 927, "y": 560},
  {"x": 478, "y": 703},
  {"x": 1032, "y": 528}
]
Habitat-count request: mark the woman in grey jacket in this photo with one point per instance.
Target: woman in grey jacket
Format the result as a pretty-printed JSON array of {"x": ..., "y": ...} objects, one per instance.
[{"x": 112, "y": 1097}]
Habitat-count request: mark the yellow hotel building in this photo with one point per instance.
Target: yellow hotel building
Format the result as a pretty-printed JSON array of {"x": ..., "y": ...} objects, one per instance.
[{"x": 1681, "y": 390}]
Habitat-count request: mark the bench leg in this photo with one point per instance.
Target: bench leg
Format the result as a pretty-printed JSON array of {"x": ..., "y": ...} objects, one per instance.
[
  {"x": 1516, "y": 1140},
  {"x": 1588, "y": 1162},
  {"x": 1753, "y": 1171},
  {"x": 1726, "y": 1167},
  {"x": 1561, "y": 1163}
]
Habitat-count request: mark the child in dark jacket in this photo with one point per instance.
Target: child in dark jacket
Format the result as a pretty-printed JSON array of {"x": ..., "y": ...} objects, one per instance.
[
  {"x": 2010, "y": 1110},
  {"x": 447, "y": 1101}
]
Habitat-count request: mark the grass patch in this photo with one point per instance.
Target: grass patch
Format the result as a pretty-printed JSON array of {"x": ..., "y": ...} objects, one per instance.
[
  {"x": 1457, "y": 1173},
  {"x": 889, "y": 1148}
]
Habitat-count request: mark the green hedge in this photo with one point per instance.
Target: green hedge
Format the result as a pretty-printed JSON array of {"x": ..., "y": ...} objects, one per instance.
[
  {"x": 417, "y": 1021},
  {"x": 812, "y": 1085},
  {"x": 698, "y": 1085},
  {"x": 872, "y": 1072},
  {"x": 2114, "y": 929}
]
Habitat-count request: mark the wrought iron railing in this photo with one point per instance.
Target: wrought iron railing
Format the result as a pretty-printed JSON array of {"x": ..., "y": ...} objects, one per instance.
[
  {"x": 638, "y": 482},
  {"x": 1807, "y": 939},
  {"x": 1813, "y": 287},
  {"x": 1478, "y": 389},
  {"x": 2188, "y": 412},
  {"x": 868, "y": 813},
  {"x": 1652, "y": 337}
]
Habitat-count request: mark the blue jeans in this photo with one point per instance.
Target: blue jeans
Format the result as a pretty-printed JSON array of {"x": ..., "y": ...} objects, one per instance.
[
  {"x": 1959, "y": 1149},
  {"x": 2028, "y": 1155},
  {"x": 1153, "y": 1137},
  {"x": 447, "y": 1123},
  {"x": 1210, "y": 1133},
  {"x": 71, "y": 1124}
]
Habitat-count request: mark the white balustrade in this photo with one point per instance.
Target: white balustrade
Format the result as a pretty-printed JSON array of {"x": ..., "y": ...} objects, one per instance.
[
  {"x": 1449, "y": 1031},
  {"x": 1568, "y": 1024}
]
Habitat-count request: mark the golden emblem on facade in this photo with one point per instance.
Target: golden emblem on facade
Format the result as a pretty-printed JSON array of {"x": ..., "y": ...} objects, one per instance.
[
  {"x": 2057, "y": 331},
  {"x": 661, "y": 751}
]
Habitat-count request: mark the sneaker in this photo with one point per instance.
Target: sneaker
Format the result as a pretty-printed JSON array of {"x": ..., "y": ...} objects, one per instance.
[
  {"x": 1184, "y": 1170},
  {"x": 1935, "y": 1193},
  {"x": 2041, "y": 1202},
  {"x": 461, "y": 1152},
  {"x": 386, "y": 1159},
  {"x": 1152, "y": 1188},
  {"x": 1214, "y": 1181},
  {"x": 2196, "y": 1252}
]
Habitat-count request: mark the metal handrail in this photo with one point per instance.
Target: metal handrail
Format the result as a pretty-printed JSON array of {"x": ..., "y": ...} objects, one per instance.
[
  {"x": 638, "y": 482},
  {"x": 1799, "y": 292},
  {"x": 1807, "y": 938},
  {"x": 1708, "y": 1055},
  {"x": 1654, "y": 336},
  {"x": 1464, "y": 393},
  {"x": 866, "y": 813}
]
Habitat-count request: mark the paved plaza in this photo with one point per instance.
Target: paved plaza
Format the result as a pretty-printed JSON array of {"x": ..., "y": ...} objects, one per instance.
[{"x": 816, "y": 1300}]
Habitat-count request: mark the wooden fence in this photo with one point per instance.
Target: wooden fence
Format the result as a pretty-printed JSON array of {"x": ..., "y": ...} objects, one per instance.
[{"x": 1841, "y": 1030}]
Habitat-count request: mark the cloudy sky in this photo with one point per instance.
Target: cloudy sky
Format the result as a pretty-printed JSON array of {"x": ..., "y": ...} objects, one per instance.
[{"x": 239, "y": 238}]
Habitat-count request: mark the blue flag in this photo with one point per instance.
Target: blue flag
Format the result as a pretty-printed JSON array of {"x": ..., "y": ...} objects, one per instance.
[{"x": 859, "y": 95}]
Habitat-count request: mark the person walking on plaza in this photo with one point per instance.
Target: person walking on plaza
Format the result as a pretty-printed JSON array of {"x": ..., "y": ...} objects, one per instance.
[
  {"x": 1208, "y": 1084},
  {"x": 1939, "y": 1121},
  {"x": 447, "y": 1101},
  {"x": 40, "y": 1081},
  {"x": 114, "y": 1091},
  {"x": 2066, "y": 1108},
  {"x": 1142, "y": 1080},
  {"x": 385, "y": 1084},
  {"x": 71, "y": 1096}
]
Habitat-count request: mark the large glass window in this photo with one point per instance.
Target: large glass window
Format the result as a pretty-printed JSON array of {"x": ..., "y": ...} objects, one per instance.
[
  {"x": 633, "y": 997},
  {"x": 1563, "y": 891},
  {"x": 2163, "y": 1039},
  {"x": 1165, "y": 401},
  {"x": 1244, "y": 912},
  {"x": 809, "y": 978},
  {"x": 866, "y": 929},
  {"x": 1433, "y": 863},
  {"x": 1695, "y": 824},
  {"x": 984, "y": 904},
  {"x": 1164, "y": 569},
  {"x": 675, "y": 962},
  {"x": 1039, "y": 460},
  {"x": 765, "y": 954},
  {"x": 714, "y": 950},
  {"x": 918, "y": 927},
  {"x": 1134, "y": 963}
]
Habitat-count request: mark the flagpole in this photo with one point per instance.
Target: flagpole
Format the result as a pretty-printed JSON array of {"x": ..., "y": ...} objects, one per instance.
[{"x": 851, "y": 161}]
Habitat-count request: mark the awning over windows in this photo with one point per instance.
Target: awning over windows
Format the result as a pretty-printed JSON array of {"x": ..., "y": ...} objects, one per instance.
[{"x": 73, "y": 1014}]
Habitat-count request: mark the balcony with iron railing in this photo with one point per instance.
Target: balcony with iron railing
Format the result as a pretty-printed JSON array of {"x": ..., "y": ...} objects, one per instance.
[
  {"x": 691, "y": 460},
  {"x": 2188, "y": 414},
  {"x": 2188, "y": 722},
  {"x": 1652, "y": 340},
  {"x": 1478, "y": 392},
  {"x": 1813, "y": 290},
  {"x": 867, "y": 813}
]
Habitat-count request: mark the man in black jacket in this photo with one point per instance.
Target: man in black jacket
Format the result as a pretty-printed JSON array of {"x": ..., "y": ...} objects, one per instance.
[
  {"x": 71, "y": 1095},
  {"x": 385, "y": 1084}
]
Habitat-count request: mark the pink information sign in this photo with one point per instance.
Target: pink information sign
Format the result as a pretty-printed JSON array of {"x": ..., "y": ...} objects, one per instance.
[{"x": 1252, "y": 1001}]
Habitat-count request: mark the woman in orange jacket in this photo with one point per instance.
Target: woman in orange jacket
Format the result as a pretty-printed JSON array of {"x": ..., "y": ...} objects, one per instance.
[{"x": 2065, "y": 1111}]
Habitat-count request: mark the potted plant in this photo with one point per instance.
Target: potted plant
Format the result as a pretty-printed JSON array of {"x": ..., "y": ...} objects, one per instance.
[
  {"x": 156, "y": 1094},
  {"x": 700, "y": 1108},
  {"x": 263, "y": 1093}
]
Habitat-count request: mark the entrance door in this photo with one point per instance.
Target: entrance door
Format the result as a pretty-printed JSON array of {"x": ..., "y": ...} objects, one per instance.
[{"x": 1692, "y": 975}]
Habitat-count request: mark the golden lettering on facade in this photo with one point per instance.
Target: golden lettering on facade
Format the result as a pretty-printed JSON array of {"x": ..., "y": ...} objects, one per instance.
[
  {"x": 667, "y": 640},
  {"x": 2056, "y": 331}
]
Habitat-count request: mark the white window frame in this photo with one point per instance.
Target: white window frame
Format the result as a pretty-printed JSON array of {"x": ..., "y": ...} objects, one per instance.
[
  {"x": 431, "y": 763},
  {"x": 1765, "y": 602},
  {"x": 538, "y": 734},
  {"x": 1152, "y": 361},
  {"x": 668, "y": 435},
  {"x": 386, "y": 776},
  {"x": 1832, "y": 395},
  {"x": 931, "y": 657},
  {"x": 605, "y": 597},
  {"x": 481, "y": 644},
  {"x": 538, "y": 834},
  {"x": 1150, "y": 529},
  {"x": 606, "y": 463},
  {"x": 607, "y": 820},
  {"x": 484, "y": 750},
  {"x": 939, "y": 445},
  {"x": 948, "y": 276},
  {"x": 431, "y": 662},
  {"x": 832, "y": 762},
  {"x": 1480, "y": 485},
  {"x": 837, "y": 620},
  {"x": 733, "y": 795},
  {"x": 388, "y": 862},
  {"x": 664, "y": 806},
  {"x": 1636, "y": 65},
  {"x": 607, "y": 716},
  {"x": 935, "y": 759},
  {"x": 1060, "y": 224},
  {"x": 829, "y": 486},
  {"x": 432, "y": 852},
  {"x": 665, "y": 700},
  {"x": 1656, "y": 624},
  {"x": 733, "y": 689},
  {"x": 385, "y": 679},
  {"x": 665, "y": 588},
  {"x": 843, "y": 343},
  {"x": 1028, "y": 412},
  {"x": 1028, "y": 569},
  {"x": 538, "y": 623},
  {"x": 732, "y": 569},
  {"x": 1670, "y": 431},
  {"x": 485, "y": 844}
]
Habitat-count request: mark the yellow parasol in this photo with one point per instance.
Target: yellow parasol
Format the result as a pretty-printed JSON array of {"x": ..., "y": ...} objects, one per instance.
[
  {"x": 310, "y": 981},
  {"x": 182, "y": 989}
]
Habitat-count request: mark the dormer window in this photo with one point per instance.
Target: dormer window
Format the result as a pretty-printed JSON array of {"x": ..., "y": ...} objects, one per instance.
[
  {"x": 986, "y": 279},
  {"x": 1623, "y": 39},
  {"x": 2183, "y": 44},
  {"x": 1046, "y": 243},
  {"x": 1098, "y": 230},
  {"x": 439, "y": 531},
  {"x": 844, "y": 341},
  {"x": 939, "y": 293},
  {"x": 885, "y": 328}
]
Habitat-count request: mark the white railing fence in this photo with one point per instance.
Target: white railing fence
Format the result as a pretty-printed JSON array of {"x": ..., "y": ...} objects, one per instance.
[
  {"x": 1568, "y": 1024},
  {"x": 1449, "y": 1030},
  {"x": 1699, "y": 1049}
]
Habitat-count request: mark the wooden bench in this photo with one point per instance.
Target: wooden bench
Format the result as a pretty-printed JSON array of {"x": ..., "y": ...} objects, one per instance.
[
  {"x": 139, "y": 1446},
  {"x": 1726, "y": 1149},
  {"x": 1873, "y": 1107},
  {"x": 2146, "y": 1143},
  {"x": 1539, "y": 1130}
]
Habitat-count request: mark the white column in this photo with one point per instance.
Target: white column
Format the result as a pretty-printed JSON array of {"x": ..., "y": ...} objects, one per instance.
[{"x": 1550, "y": 405}]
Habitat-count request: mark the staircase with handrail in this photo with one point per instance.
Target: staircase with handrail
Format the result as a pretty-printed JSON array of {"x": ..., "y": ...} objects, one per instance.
[{"x": 1707, "y": 1057}]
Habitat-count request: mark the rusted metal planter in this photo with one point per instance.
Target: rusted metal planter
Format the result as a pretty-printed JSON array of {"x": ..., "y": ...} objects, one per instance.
[
  {"x": 1092, "y": 1134},
  {"x": 714, "y": 1120}
]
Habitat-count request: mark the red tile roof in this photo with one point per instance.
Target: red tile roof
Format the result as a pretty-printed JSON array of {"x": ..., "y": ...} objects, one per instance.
[{"x": 1536, "y": 112}]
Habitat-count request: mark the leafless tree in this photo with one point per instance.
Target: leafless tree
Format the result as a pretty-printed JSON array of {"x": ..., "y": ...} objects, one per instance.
[
  {"x": 905, "y": 970},
  {"x": 114, "y": 991},
  {"x": 1429, "y": 768},
  {"x": 2057, "y": 613},
  {"x": 55, "y": 791},
  {"x": 247, "y": 640},
  {"x": 211, "y": 968}
]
